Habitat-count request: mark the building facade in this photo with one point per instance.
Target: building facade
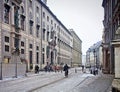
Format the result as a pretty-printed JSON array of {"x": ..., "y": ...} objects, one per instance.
[
  {"x": 30, "y": 33},
  {"x": 111, "y": 42},
  {"x": 77, "y": 49},
  {"x": 108, "y": 35},
  {"x": 94, "y": 55}
]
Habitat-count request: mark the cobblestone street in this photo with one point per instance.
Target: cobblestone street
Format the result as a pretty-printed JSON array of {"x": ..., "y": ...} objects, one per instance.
[{"x": 56, "y": 82}]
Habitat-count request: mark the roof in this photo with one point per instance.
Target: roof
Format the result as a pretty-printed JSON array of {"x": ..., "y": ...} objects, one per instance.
[
  {"x": 47, "y": 8},
  {"x": 94, "y": 46}
]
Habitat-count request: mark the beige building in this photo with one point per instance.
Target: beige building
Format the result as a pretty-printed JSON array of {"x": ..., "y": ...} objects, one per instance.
[
  {"x": 30, "y": 33},
  {"x": 77, "y": 49}
]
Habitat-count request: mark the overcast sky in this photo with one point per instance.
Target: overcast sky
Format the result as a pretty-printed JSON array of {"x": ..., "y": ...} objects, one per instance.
[{"x": 84, "y": 16}]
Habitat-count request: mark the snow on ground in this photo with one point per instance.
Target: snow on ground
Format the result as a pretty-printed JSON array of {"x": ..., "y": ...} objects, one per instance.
[{"x": 65, "y": 85}]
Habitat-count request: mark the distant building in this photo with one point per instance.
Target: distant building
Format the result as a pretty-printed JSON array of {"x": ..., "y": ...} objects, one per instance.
[
  {"x": 94, "y": 55},
  {"x": 76, "y": 50}
]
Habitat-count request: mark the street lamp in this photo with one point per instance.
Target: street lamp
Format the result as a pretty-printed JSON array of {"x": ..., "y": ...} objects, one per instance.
[{"x": 94, "y": 52}]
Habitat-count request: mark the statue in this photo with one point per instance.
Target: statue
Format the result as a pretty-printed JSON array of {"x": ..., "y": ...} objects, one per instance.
[{"x": 16, "y": 19}]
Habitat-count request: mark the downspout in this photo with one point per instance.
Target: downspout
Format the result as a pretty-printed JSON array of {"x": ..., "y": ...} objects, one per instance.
[
  {"x": 41, "y": 40},
  {"x": 1, "y": 43}
]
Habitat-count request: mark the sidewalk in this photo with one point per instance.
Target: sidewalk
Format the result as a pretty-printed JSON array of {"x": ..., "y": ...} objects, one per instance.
[
  {"x": 33, "y": 74},
  {"x": 32, "y": 81}
]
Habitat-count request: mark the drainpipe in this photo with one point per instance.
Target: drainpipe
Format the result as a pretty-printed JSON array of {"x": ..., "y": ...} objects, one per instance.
[
  {"x": 0, "y": 35},
  {"x": 41, "y": 40}
]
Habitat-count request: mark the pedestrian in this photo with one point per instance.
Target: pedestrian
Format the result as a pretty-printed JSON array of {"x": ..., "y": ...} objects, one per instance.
[
  {"x": 36, "y": 69},
  {"x": 82, "y": 68},
  {"x": 66, "y": 67}
]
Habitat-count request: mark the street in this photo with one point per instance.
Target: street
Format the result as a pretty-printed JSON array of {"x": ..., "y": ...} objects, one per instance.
[{"x": 56, "y": 82}]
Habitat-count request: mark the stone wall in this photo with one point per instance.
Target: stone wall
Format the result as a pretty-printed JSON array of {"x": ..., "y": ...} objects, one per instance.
[{"x": 12, "y": 70}]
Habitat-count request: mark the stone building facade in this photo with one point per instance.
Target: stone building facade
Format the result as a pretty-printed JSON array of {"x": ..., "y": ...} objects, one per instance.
[
  {"x": 76, "y": 51},
  {"x": 111, "y": 40},
  {"x": 30, "y": 33}
]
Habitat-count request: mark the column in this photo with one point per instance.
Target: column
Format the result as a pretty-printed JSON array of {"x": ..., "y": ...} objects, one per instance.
[{"x": 117, "y": 62}]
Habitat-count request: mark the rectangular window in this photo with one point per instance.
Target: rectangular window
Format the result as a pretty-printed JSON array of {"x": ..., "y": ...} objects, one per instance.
[
  {"x": 51, "y": 21},
  {"x": 31, "y": 29},
  {"x": 43, "y": 14},
  {"x": 43, "y": 49},
  {"x": 6, "y": 39},
  {"x": 6, "y": 48},
  {"x": 43, "y": 34},
  {"x": 37, "y": 32},
  {"x": 47, "y": 18},
  {"x": 37, "y": 48},
  {"x": 22, "y": 43},
  {"x": 30, "y": 59},
  {"x": 30, "y": 46},
  {"x": 47, "y": 36},
  {"x": 22, "y": 51}
]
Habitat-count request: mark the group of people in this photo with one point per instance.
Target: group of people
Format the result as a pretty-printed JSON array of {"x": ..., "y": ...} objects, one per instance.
[
  {"x": 65, "y": 68},
  {"x": 50, "y": 68}
]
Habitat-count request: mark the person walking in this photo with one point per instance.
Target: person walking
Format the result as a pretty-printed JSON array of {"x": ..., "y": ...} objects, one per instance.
[
  {"x": 66, "y": 67},
  {"x": 36, "y": 69}
]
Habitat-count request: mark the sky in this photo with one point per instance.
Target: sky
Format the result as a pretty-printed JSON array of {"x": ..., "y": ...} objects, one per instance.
[{"x": 83, "y": 16}]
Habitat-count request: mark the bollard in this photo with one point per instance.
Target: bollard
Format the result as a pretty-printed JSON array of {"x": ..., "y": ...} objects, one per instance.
[{"x": 75, "y": 70}]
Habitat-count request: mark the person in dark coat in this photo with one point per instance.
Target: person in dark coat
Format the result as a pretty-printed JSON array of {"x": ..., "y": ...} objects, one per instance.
[
  {"x": 36, "y": 69},
  {"x": 66, "y": 67}
]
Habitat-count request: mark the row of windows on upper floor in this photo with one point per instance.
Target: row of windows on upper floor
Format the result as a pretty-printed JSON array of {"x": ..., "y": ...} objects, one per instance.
[
  {"x": 7, "y": 40},
  {"x": 22, "y": 24},
  {"x": 60, "y": 44}
]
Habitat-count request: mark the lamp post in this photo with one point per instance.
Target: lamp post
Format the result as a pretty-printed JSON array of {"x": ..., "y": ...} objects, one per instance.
[{"x": 94, "y": 60}]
